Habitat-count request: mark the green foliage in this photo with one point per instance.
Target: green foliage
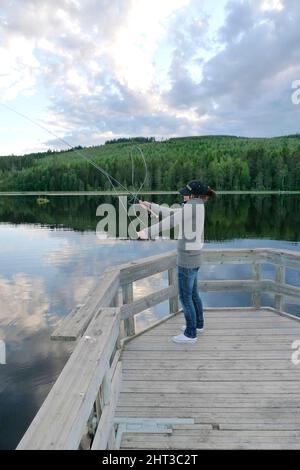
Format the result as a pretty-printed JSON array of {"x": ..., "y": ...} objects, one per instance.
[
  {"x": 223, "y": 162},
  {"x": 137, "y": 140}
]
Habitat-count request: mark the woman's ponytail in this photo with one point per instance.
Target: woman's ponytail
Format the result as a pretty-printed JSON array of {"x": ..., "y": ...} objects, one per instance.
[{"x": 211, "y": 193}]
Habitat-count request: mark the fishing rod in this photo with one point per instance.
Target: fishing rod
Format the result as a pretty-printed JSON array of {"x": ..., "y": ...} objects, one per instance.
[{"x": 90, "y": 161}]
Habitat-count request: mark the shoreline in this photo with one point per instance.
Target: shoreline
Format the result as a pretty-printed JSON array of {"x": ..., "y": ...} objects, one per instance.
[{"x": 123, "y": 193}]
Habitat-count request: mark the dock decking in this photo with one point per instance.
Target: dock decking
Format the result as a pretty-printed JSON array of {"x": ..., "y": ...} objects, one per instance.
[
  {"x": 237, "y": 382},
  {"x": 236, "y": 388}
]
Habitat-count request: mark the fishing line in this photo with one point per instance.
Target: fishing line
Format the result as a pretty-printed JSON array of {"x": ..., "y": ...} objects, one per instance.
[{"x": 91, "y": 162}]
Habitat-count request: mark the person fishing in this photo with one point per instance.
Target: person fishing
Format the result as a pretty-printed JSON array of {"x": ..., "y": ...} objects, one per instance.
[{"x": 190, "y": 220}]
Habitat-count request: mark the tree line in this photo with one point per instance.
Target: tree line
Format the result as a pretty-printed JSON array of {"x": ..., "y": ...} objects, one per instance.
[{"x": 223, "y": 162}]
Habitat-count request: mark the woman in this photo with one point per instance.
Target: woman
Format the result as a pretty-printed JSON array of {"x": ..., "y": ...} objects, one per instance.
[{"x": 191, "y": 220}]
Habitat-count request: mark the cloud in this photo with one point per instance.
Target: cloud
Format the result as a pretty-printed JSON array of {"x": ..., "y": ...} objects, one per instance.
[
  {"x": 240, "y": 19},
  {"x": 23, "y": 303},
  {"x": 123, "y": 67},
  {"x": 246, "y": 86}
]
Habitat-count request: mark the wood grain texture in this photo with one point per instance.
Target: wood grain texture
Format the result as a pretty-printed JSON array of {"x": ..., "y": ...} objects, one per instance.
[{"x": 238, "y": 379}]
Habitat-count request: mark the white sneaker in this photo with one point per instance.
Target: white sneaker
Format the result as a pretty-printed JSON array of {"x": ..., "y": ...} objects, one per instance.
[
  {"x": 183, "y": 339},
  {"x": 199, "y": 330}
]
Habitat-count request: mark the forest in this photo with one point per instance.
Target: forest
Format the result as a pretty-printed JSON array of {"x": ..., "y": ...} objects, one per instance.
[{"x": 223, "y": 162}]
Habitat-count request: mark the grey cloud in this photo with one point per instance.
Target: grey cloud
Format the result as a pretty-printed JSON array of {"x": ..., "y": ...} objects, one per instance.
[
  {"x": 240, "y": 19},
  {"x": 250, "y": 78}
]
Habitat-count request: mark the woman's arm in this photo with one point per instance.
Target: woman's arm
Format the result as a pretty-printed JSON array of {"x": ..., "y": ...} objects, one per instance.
[
  {"x": 158, "y": 209},
  {"x": 174, "y": 219}
]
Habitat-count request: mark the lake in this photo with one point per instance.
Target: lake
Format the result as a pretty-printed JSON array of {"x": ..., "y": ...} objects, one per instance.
[{"x": 50, "y": 257}]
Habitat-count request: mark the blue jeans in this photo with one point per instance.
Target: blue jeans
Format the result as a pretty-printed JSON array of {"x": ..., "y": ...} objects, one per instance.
[{"x": 190, "y": 300}]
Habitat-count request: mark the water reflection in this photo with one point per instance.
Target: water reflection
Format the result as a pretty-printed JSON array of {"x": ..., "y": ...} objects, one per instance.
[
  {"x": 231, "y": 216},
  {"x": 23, "y": 306}
]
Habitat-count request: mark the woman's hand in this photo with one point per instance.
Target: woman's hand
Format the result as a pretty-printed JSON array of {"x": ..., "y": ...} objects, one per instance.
[
  {"x": 143, "y": 234},
  {"x": 145, "y": 204}
]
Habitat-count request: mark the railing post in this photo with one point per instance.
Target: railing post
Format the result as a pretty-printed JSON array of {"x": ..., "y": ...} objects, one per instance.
[
  {"x": 111, "y": 445},
  {"x": 106, "y": 388},
  {"x": 98, "y": 405},
  {"x": 256, "y": 277},
  {"x": 117, "y": 300},
  {"x": 129, "y": 324},
  {"x": 173, "y": 301},
  {"x": 279, "y": 279}
]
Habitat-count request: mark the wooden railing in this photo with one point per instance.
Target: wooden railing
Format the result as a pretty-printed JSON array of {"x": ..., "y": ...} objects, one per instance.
[{"x": 86, "y": 393}]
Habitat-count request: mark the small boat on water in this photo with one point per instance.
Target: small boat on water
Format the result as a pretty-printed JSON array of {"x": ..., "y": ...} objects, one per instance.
[{"x": 42, "y": 200}]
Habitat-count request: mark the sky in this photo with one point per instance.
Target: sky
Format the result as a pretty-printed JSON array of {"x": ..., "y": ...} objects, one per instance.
[{"x": 86, "y": 71}]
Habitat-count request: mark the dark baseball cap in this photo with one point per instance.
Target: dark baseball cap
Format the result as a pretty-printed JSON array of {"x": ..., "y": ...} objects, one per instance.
[{"x": 195, "y": 187}]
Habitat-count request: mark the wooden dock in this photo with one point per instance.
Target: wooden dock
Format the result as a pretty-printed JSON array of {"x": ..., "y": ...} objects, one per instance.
[
  {"x": 237, "y": 382},
  {"x": 236, "y": 388}
]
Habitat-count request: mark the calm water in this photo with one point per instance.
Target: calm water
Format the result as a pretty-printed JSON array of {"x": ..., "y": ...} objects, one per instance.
[{"x": 50, "y": 257}]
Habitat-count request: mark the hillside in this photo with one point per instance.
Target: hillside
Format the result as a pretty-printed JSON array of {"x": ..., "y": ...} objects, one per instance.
[{"x": 224, "y": 162}]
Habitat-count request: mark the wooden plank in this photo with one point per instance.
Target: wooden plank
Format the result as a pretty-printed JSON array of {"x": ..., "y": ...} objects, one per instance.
[
  {"x": 257, "y": 287},
  {"x": 61, "y": 420},
  {"x": 211, "y": 413},
  {"x": 225, "y": 434},
  {"x": 208, "y": 364},
  {"x": 165, "y": 334},
  {"x": 234, "y": 322},
  {"x": 165, "y": 331},
  {"x": 213, "y": 440},
  {"x": 216, "y": 416},
  {"x": 236, "y": 312},
  {"x": 108, "y": 378},
  {"x": 173, "y": 281},
  {"x": 233, "y": 310},
  {"x": 76, "y": 322},
  {"x": 170, "y": 421},
  {"x": 279, "y": 279},
  {"x": 260, "y": 427},
  {"x": 168, "y": 328},
  {"x": 239, "y": 426},
  {"x": 213, "y": 376},
  {"x": 106, "y": 421},
  {"x": 129, "y": 441},
  {"x": 244, "y": 285},
  {"x": 256, "y": 296},
  {"x": 213, "y": 342},
  {"x": 251, "y": 332},
  {"x": 146, "y": 267},
  {"x": 284, "y": 289},
  {"x": 225, "y": 387},
  {"x": 202, "y": 400},
  {"x": 187, "y": 353},
  {"x": 129, "y": 323},
  {"x": 200, "y": 348},
  {"x": 147, "y": 301},
  {"x": 229, "y": 333},
  {"x": 287, "y": 258},
  {"x": 216, "y": 342},
  {"x": 219, "y": 324}
]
